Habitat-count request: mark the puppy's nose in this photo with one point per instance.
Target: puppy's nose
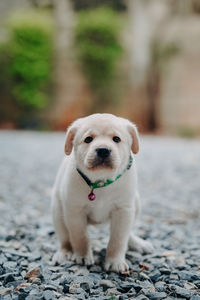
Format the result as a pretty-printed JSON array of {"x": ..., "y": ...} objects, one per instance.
[{"x": 103, "y": 152}]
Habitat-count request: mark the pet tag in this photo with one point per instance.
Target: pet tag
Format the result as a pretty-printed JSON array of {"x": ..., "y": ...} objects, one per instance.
[{"x": 91, "y": 196}]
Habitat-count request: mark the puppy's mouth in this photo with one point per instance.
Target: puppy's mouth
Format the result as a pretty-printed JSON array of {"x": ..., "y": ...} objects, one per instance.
[{"x": 101, "y": 163}]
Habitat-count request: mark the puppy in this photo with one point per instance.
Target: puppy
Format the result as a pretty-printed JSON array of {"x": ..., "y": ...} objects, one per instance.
[{"x": 97, "y": 183}]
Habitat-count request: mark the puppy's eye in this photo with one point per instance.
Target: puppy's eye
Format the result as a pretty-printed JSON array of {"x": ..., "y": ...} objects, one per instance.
[
  {"x": 88, "y": 139},
  {"x": 116, "y": 139}
]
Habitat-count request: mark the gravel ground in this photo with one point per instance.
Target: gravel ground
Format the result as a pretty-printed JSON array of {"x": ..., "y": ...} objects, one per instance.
[{"x": 169, "y": 182}]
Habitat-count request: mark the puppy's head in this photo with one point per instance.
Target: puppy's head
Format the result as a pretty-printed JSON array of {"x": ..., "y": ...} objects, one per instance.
[{"x": 102, "y": 144}]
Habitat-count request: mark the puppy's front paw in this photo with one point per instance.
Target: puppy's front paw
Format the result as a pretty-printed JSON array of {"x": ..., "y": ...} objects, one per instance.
[
  {"x": 61, "y": 256},
  {"x": 87, "y": 260},
  {"x": 116, "y": 264},
  {"x": 140, "y": 245}
]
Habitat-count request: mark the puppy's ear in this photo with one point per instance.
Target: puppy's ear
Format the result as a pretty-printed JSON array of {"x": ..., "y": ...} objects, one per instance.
[
  {"x": 71, "y": 131},
  {"x": 135, "y": 137}
]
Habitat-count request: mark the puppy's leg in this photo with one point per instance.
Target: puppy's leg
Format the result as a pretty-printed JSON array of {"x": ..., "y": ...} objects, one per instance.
[
  {"x": 121, "y": 221},
  {"x": 138, "y": 244},
  {"x": 65, "y": 251},
  {"x": 77, "y": 225}
]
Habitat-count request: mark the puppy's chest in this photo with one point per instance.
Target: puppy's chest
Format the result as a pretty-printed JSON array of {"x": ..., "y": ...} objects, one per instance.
[{"x": 99, "y": 211}]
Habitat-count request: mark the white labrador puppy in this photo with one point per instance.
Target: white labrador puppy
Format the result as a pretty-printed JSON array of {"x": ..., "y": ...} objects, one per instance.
[{"x": 97, "y": 183}]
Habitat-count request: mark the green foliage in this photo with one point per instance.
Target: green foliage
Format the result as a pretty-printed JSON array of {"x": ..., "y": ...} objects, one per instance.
[
  {"x": 30, "y": 49},
  {"x": 97, "y": 34}
]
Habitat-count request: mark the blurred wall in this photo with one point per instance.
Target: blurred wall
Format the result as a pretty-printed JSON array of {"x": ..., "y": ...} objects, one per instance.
[{"x": 180, "y": 97}]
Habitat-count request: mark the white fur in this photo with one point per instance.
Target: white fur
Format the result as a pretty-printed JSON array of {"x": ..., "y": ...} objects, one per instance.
[{"x": 117, "y": 203}]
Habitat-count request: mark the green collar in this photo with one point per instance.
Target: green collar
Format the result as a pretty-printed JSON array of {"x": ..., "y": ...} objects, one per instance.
[{"x": 101, "y": 183}]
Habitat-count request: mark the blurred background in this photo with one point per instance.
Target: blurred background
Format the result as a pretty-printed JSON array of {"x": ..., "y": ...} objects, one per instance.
[{"x": 63, "y": 59}]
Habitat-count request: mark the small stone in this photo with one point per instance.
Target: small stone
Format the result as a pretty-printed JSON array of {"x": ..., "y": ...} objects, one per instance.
[
  {"x": 50, "y": 287},
  {"x": 67, "y": 280},
  {"x": 34, "y": 291},
  {"x": 137, "y": 287},
  {"x": 73, "y": 268},
  {"x": 8, "y": 278},
  {"x": 22, "y": 296},
  {"x": 180, "y": 291},
  {"x": 174, "y": 277},
  {"x": 34, "y": 257},
  {"x": 85, "y": 286},
  {"x": 112, "y": 292},
  {"x": 5, "y": 291},
  {"x": 190, "y": 286},
  {"x": 95, "y": 291},
  {"x": 2, "y": 271},
  {"x": 125, "y": 287},
  {"x": 123, "y": 297},
  {"x": 34, "y": 280},
  {"x": 9, "y": 266},
  {"x": 146, "y": 284},
  {"x": 185, "y": 275},
  {"x": 24, "y": 264},
  {"x": 196, "y": 276},
  {"x": 195, "y": 297},
  {"x": 165, "y": 271},
  {"x": 66, "y": 288},
  {"x": 160, "y": 286},
  {"x": 168, "y": 253},
  {"x": 141, "y": 297},
  {"x": 73, "y": 288},
  {"x": 14, "y": 284},
  {"x": 106, "y": 284},
  {"x": 38, "y": 296},
  {"x": 22, "y": 286},
  {"x": 148, "y": 291},
  {"x": 175, "y": 282},
  {"x": 7, "y": 297},
  {"x": 143, "y": 276},
  {"x": 31, "y": 297},
  {"x": 48, "y": 295},
  {"x": 156, "y": 295},
  {"x": 34, "y": 273},
  {"x": 155, "y": 276},
  {"x": 96, "y": 269}
]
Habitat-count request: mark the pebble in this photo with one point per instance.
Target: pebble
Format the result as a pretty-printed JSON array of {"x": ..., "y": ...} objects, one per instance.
[
  {"x": 185, "y": 275},
  {"x": 106, "y": 284},
  {"x": 160, "y": 286},
  {"x": 85, "y": 286},
  {"x": 126, "y": 287},
  {"x": 4, "y": 291},
  {"x": 34, "y": 273},
  {"x": 141, "y": 297},
  {"x": 73, "y": 288},
  {"x": 8, "y": 278},
  {"x": 195, "y": 297},
  {"x": 157, "y": 295},
  {"x": 112, "y": 292},
  {"x": 155, "y": 276},
  {"x": 48, "y": 295},
  {"x": 180, "y": 291},
  {"x": 123, "y": 297},
  {"x": 50, "y": 287}
]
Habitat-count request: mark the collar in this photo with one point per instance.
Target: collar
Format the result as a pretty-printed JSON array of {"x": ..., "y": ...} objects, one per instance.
[{"x": 102, "y": 183}]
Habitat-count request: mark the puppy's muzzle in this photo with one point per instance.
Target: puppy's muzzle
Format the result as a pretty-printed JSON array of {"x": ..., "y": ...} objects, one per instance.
[
  {"x": 103, "y": 152},
  {"x": 103, "y": 158}
]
